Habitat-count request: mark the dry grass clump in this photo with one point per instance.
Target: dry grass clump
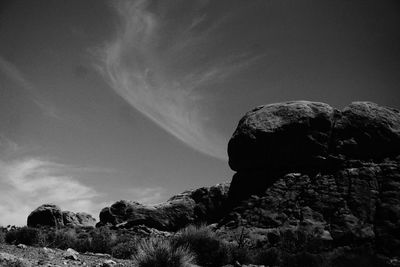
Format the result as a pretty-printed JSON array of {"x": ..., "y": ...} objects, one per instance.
[
  {"x": 210, "y": 251},
  {"x": 155, "y": 252}
]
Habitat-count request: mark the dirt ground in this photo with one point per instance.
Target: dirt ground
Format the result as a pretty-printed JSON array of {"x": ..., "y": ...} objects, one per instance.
[{"x": 24, "y": 256}]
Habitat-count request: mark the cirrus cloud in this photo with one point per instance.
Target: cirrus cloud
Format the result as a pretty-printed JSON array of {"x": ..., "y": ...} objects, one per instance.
[
  {"x": 156, "y": 64},
  {"x": 26, "y": 183}
]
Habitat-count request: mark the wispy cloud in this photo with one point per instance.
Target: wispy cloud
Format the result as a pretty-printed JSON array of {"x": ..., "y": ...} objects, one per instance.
[
  {"x": 157, "y": 68},
  {"x": 16, "y": 76},
  {"x": 27, "y": 182}
]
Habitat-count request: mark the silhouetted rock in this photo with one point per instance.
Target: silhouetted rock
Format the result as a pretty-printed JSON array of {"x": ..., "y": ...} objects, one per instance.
[
  {"x": 200, "y": 205},
  {"x": 312, "y": 178},
  {"x": 52, "y": 215},
  {"x": 46, "y": 215},
  {"x": 288, "y": 136},
  {"x": 307, "y": 137}
]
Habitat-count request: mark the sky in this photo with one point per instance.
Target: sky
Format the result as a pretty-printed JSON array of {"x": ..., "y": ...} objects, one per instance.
[{"x": 137, "y": 100}]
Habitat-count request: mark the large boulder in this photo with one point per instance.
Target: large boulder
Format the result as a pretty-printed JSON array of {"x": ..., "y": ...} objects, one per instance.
[
  {"x": 52, "y": 215},
  {"x": 307, "y": 137},
  {"x": 290, "y": 135},
  {"x": 46, "y": 215},
  {"x": 193, "y": 206},
  {"x": 300, "y": 135},
  {"x": 310, "y": 178}
]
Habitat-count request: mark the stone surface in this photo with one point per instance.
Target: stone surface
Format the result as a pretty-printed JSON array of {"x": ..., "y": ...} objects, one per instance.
[
  {"x": 312, "y": 178},
  {"x": 78, "y": 219},
  {"x": 299, "y": 135},
  {"x": 307, "y": 137},
  {"x": 288, "y": 135},
  {"x": 359, "y": 204},
  {"x": 7, "y": 259},
  {"x": 365, "y": 130},
  {"x": 200, "y": 205},
  {"x": 52, "y": 215},
  {"x": 46, "y": 215}
]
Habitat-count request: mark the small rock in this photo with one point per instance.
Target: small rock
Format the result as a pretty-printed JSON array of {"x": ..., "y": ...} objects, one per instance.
[
  {"x": 22, "y": 246},
  {"x": 48, "y": 250},
  {"x": 71, "y": 255}
]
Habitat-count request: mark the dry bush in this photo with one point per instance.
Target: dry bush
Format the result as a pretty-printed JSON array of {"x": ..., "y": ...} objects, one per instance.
[
  {"x": 124, "y": 250},
  {"x": 210, "y": 251},
  {"x": 25, "y": 235},
  {"x": 156, "y": 252}
]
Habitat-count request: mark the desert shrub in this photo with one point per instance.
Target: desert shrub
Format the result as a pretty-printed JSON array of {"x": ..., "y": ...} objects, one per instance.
[
  {"x": 25, "y": 235},
  {"x": 161, "y": 253},
  {"x": 3, "y": 232},
  {"x": 210, "y": 251},
  {"x": 352, "y": 257},
  {"x": 61, "y": 238},
  {"x": 102, "y": 240},
  {"x": 301, "y": 259},
  {"x": 124, "y": 250},
  {"x": 240, "y": 254},
  {"x": 268, "y": 257}
]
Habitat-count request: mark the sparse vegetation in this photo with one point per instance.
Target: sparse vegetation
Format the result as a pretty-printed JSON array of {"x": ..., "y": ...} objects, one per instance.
[
  {"x": 209, "y": 249},
  {"x": 161, "y": 253},
  {"x": 25, "y": 235},
  {"x": 125, "y": 250},
  {"x": 3, "y": 232}
]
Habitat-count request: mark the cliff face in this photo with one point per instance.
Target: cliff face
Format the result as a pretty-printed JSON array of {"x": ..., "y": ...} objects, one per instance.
[{"x": 305, "y": 168}]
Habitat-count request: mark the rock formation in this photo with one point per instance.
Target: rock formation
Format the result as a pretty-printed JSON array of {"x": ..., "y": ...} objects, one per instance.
[
  {"x": 52, "y": 215},
  {"x": 195, "y": 206},
  {"x": 306, "y": 171}
]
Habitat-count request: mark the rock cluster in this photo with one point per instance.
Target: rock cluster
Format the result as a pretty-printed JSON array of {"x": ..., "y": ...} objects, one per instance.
[
  {"x": 52, "y": 215},
  {"x": 194, "y": 206},
  {"x": 305, "y": 168},
  {"x": 309, "y": 177}
]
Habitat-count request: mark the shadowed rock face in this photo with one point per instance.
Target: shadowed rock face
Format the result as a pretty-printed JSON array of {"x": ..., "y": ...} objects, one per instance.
[
  {"x": 195, "y": 206},
  {"x": 78, "y": 219},
  {"x": 304, "y": 167},
  {"x": 46, "y": 215},
  {"x": 307, "y": 137},
  {"x": 52, "y": 215}
]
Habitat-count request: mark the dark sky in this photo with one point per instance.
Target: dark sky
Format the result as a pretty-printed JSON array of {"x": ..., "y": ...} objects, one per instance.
[{"x": 109, "y": 100}]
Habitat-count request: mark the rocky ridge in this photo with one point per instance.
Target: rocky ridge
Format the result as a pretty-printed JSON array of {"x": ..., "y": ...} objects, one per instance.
[{"x": 193, "y": 206}]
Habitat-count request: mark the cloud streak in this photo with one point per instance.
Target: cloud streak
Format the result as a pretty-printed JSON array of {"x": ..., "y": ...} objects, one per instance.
[
  {"x": 155, "y": 64},
  {"x": 17, "y": 77},
  {"x": 26, "y": 183}
]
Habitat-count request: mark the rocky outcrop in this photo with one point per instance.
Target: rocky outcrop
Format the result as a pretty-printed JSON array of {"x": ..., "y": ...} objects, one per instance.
[
  {"x": 46, "y": 215},
  {"x": 200, "y": 205},
  {"x": 313, "y": 178},
  {"x": 307, "y": 137},
  {"x": 78, "y": 219},
  {"x": 51, "y": 215}
]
